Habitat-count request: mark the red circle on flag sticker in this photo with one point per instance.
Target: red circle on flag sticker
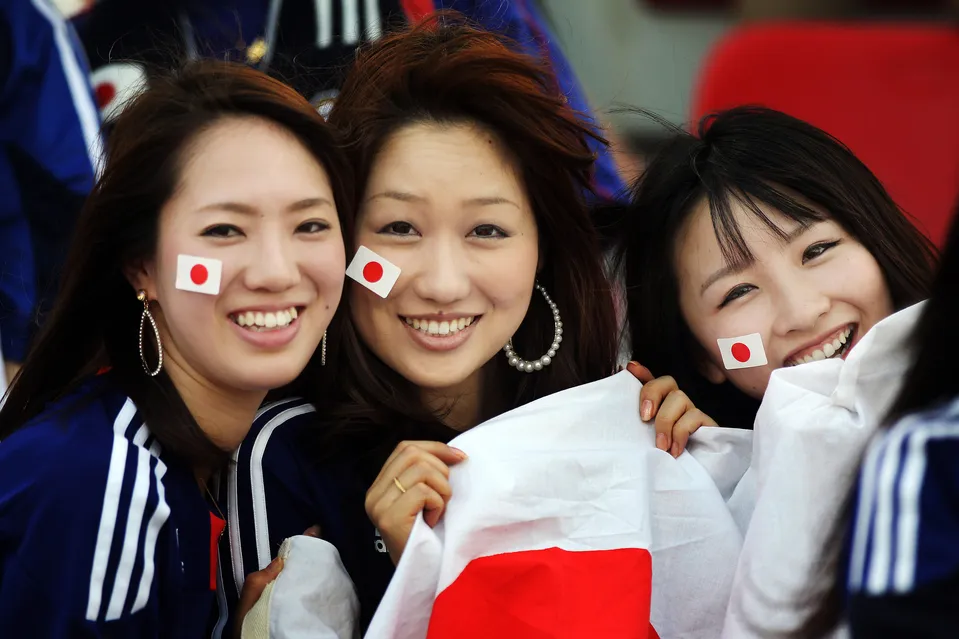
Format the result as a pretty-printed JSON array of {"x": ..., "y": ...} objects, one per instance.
[
  {"x": 740, "y": 351},
  {"x": 105, "y": 93},
  {"x": 199, "y": 274},
  {"x": 373, "y": 271}
]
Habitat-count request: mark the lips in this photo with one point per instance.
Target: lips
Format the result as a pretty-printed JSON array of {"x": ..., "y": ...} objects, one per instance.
[
  {"x": 834, "y": 345},
  {"x": 440, "y": 327}
]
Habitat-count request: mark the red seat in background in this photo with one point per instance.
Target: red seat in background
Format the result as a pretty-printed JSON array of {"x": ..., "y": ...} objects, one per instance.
[{"x": 889, "y": 91}]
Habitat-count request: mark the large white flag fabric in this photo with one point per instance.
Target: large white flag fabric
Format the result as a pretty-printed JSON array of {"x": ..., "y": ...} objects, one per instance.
[
  {"x": 809, "y": 436},
  {"x": 566, "y": 521}
]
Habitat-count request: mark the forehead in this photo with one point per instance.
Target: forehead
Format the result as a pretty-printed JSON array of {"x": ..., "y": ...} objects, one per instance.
[
  {"x": 698, "y": 245},
  {"x": 247, "y": 158},
  {"x": 444, "y": 159}
]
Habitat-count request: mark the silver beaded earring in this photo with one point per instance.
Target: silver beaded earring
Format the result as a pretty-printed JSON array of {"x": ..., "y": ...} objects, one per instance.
[
  {"x": 547, "y": 359},
  {"x": 142, "y": 296},
  {"x": 323, "y": 350}
]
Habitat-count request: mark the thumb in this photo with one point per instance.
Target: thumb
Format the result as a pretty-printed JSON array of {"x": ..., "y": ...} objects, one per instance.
[
  {"x": 273, "y": 570},
  {"x": 314, "y": 531}
]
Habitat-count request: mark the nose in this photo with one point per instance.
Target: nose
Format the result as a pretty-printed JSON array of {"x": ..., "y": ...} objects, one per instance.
[
  {"x": 442, "y": 272},
  {"x": 272, "y": 264},
  {"x": 800, "y": 303}
]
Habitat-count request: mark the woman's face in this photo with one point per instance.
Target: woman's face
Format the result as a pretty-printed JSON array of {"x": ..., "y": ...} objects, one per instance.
[
  {"x": 810, "y": 296},
  {"x": 251, "y": 196},
  {"x": 446, "y": 204}
]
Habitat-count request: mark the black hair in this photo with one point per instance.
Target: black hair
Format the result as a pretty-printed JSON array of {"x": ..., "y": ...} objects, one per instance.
[{"x": 753, "y": 156}]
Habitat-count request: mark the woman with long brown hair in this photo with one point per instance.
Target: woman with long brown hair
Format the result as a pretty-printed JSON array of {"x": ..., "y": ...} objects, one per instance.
[
  {"x": 200, "y": 278},
  {"x": 471, "y": 171}
]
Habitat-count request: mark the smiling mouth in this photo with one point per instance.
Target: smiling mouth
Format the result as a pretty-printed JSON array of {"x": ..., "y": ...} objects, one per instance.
[
  {"x": 445, "y": 328},
  {"x": 259, "y": 322},
  {"x": 836, "y": 346}
]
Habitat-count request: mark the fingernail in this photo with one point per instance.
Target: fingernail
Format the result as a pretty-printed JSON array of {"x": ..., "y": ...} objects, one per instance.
[
  {"x": 312, "y": 531},
  {"x": 459, "y": 453},
  {"x": 633, "y": 362},
  {"x": 677, "y": 451},
  {"x": 661, "y": 442},
  {"x": 646, "y": 412}
]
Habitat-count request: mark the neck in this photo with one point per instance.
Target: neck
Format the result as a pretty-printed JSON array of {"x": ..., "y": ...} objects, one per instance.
[
  {"x": 458, "y": 405},
  {"x": 224, "y": 415}
]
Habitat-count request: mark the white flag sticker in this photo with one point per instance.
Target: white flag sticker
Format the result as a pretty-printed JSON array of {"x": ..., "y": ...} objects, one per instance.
[
  {"x": 373, "y": 271},
  {"x": 742, "y": 352},
  {"x": 198, "y": 274}
]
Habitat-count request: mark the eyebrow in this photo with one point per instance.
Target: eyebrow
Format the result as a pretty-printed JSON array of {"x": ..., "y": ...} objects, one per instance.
[
  {"x": 246, "y": 209},
  {"x": 403, "y": 196},
  {"x": 732, "y": 269}
]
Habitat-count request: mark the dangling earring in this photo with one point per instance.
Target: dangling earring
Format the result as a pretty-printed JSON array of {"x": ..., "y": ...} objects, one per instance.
[
  {"x": 547, "y": 359},
  {"x": 142, "y": 296},
  {"x": 323, "y": 350}
]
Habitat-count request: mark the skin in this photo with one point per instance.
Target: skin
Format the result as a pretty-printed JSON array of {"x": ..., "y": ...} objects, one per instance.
[
  {"x": 796, "y": 294},
  {"x": 446, "y": 204},
  {"x": 273, "y": 224}
]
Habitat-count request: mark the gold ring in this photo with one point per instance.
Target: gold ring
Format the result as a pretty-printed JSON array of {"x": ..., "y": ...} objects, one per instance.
[{"x": 399, "y": 485}]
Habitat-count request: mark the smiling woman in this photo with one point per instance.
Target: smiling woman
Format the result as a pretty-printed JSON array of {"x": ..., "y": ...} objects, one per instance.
[
  {"x": 762, "y": 225},
  {"x": 197, "y": 282}
]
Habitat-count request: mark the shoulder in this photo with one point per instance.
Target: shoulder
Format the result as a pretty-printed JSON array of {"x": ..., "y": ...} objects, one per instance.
[
  {"x": 905, "y": 514},
  {"x": 87, "y": 465}
]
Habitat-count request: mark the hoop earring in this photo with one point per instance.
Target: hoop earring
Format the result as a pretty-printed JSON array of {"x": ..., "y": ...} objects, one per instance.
[
  {"x": 323, "y": 350},
  {"x": 547, "y": 359},
  {"x": 142, "y": 296}
]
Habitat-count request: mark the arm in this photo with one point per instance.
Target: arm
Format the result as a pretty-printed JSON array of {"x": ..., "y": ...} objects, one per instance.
[
  {"x": 904, "y": 565},
  {"x": 67, "y": 568},
  {"x": 49, "y": 135}
]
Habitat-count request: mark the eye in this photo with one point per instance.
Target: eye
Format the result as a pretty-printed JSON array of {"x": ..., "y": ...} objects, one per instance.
[
  {"x": 816, "y": 250},
  {"x": 398, "y": 228},
  {"x": 221, "y": 230},
  {"x": 736, "y": 293},
  {"x": 488, "y": 231},
  {"x": 313, "y": 226}
]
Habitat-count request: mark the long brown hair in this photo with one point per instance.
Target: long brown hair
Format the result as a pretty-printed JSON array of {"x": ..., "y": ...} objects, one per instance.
[
  {"x": 96, "y": 318},
  {"x": 446, "y": 71}
]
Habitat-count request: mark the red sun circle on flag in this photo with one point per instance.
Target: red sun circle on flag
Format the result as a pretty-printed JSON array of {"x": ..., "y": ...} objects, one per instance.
[
  {"x": 199, "y": 274},
  {"x": 373, "y": 271},
  {"x": 740, "y": 351},
  {"x": 105, "y": 92}
]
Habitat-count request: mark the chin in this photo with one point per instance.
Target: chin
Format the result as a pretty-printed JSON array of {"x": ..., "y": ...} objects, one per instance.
[{"x": 267, "y": 378}]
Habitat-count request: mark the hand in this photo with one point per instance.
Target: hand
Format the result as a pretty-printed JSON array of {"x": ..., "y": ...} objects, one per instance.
[
  {"x": 415, "y": 478},
  {"x": 676, "y": 416},
  {"x": 254, "y": 585}
]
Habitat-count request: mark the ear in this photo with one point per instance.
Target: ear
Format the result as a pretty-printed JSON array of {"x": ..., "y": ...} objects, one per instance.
[
  {"x": 709, "y": 370},
  {"x": 142, "y": 277}
]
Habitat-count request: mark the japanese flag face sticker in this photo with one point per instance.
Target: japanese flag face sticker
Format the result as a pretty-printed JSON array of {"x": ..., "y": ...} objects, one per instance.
[
  {"x": 373, "y": 271},
  {"x": 742, "y": 352},
  {"x": 198, "y": 274}
]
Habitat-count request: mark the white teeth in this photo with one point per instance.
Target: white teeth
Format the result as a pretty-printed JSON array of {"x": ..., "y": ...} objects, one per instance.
[
  {"x": 269, "y": 320},
  {"x": 818, "y": 355},
  {"x": 829, "y": 350},
  {"x": 433, "y": 327}
]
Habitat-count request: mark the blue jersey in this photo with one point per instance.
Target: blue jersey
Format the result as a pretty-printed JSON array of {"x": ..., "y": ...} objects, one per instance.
[
  {"x": 49, "y": 150},
  {"x": 904, "y": 560},
  {"x": 304, "y": 42},
  {"x": 277, "y": 489},
  {"x": 100, "y": 534}
]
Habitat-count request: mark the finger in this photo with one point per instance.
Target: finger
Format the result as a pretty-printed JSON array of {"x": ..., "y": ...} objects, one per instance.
[
  {"x": 652, "y": 395},
  {"x": 430, "y": 501},
  {"x": 441, "y": 451},
  {"x": 691, "y": 421},
  {"x": 640, "y": 372},
  {"x": 412, "y": 457},
  {"x": 314, "y": 531},
  {"x": 673, "y": 407},
  {"x": 255, "y": 582},
  {"x": 396, "y": 524},
  {"x": 411, "y": 477}
]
